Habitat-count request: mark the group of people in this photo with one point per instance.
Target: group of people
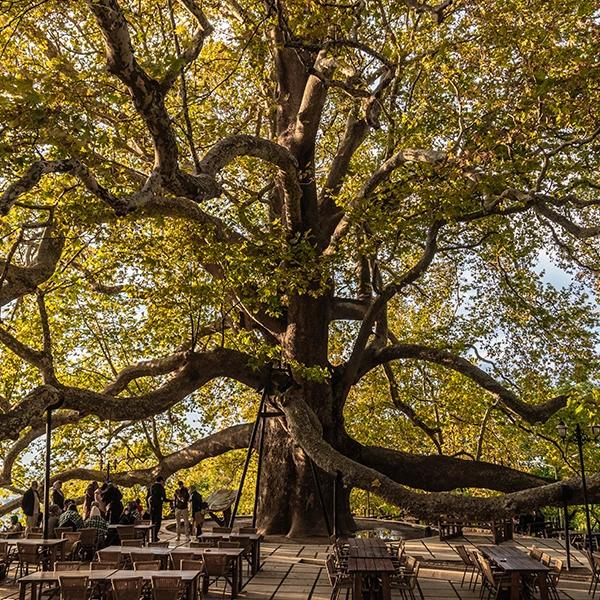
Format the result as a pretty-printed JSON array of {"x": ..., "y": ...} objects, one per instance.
[
  {"x": 183, "y": 500},
  {"x": 103, "y": 505}
]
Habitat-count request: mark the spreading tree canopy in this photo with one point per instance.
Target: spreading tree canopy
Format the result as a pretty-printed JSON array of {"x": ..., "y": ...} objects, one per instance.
[{"x": 385, "y": 214}]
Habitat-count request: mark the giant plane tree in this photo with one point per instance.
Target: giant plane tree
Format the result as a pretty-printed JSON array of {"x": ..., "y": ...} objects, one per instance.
[{"x": 330, "y": 201}]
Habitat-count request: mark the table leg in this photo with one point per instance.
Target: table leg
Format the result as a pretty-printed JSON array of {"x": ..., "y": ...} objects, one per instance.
[
  {"x": 234, "y": 579},
  {"x": 515, "y": 586},
  {"x": 543, "y": 585},
  {"x": 385, "y": 586},
  {"x": 22, "y": 590},
  {"x": 357, "y": 586},
  {"x": 255, "y": 557},
  {"x": 240, "y": 568}
]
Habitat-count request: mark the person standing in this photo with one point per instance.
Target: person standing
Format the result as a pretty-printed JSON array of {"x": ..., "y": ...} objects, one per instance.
[
  {"x": 31, "y": 506},
  {"x": 198, "y": 511},
  {"x": 99, "y": 498},
  {"x": 157, "y": 496},
  {"x": 89, "y": 498},
  {"x": 58, "y": 496},
  {"x": 113, "y": 498},
  {"x": 182, "y": 499}
]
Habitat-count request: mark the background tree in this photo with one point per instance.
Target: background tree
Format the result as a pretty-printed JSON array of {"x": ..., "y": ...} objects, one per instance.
[{"x": 366, "y": 193}]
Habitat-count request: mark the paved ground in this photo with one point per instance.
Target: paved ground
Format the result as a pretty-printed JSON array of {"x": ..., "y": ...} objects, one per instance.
[{"x": 296, "y": 572}]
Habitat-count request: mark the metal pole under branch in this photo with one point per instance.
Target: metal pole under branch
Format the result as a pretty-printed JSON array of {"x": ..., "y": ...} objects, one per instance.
[
  {"x": 48, "y": 459},
  {"x": 588, "y": 521},
  {"x": 261, "y": 448},
  {"x": 248, "y": 456}
]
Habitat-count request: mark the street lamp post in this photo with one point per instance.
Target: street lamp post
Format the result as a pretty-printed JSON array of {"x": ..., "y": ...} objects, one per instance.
[{"x": 562, "y": 432}]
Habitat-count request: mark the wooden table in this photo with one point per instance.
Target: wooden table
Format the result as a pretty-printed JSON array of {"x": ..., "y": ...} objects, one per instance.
[
  {"x": 370, "y": 565},
  {"x": 40, "y": 577},
  {"x": 50, "y": 547},
  {"x": 255, "y": 538},
  {"x": 516, "y": 563},
  {"x": 234, "y": 554}
]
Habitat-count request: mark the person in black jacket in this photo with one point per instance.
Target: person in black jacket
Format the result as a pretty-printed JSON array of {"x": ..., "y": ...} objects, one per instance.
[
  {"x": 31, "y": 505},
  {"x": 113, "y": 498},
  {"x": 58, "y": 497},
  {"x": 157, "y": 496},
  {"x": 198, "y": 509}
]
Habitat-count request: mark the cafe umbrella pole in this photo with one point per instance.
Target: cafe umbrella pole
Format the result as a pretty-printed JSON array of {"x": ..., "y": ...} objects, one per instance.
[{"x": 48, "y": 460}]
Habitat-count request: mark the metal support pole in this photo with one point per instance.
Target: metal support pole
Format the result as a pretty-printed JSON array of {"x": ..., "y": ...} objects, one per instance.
[
  {"x": 320, "y": 494},
  {"x": 567, "y": 537},
  {"x": 335, "y": 485},
  {"x": 588, "y": 522},
  {"x": 47, "y": 471},
  {"x": 248, "y": 456},
  {"x": 261, "y": 447}
]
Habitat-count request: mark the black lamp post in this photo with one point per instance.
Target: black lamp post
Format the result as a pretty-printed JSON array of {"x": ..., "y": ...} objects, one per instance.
[{"x": 562, "y": 430}]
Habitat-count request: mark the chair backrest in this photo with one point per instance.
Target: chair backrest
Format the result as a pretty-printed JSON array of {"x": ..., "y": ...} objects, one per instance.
[
  {"x": 72, "y": 538},
  {"x": 164, "y": 544},
  {"x": 140, "y": 557},
  {"x": 132, "y": 543},
  {"x": 221, "y": 529},
  {"x": 557, "y": 568},
  {"x": 29, "y": 554},
  {"x": 146, "y": 565},
  {"x": 226, "y": 544},
  {"x": 243, "y": 540},
  {"x": 67, "y": 565},
  {"x": 73, "y": 588},
  {"x": 535, "y": 553},
  {"x": 109, "y": 556},
  {"x": 3, "y": 550},
  {"x": 215, "y": 564},
  {"x": 126, "y": 532},
  {"x": 102, "y": 566},
  {"x": 546, "y": 559},
  {"x": 176, "y": 558},
  {"x": 414, "y": 575},
  {"x": 486, "y": 569},
  {"x": 201, "y": 545},
  {"x": 410, "y": 563},
  {"x": 166, "y": 587},
  {"x": 89, "y": 537},
  {"x": 58, "y": 531},
  {"x": 191, "y": 565},
  {"x": 34, "y": 535},
  {"x": 127, "y": 589},
  {"x": 462, "y": 552},
  {"x": 248, "y": 530}
]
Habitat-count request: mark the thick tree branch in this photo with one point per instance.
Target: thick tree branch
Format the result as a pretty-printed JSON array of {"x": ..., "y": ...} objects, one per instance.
[{"x": 532, "y": 413}]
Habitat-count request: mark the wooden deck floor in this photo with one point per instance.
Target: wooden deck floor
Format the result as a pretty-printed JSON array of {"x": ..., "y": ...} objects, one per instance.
[{"x": 296, "y": 572}]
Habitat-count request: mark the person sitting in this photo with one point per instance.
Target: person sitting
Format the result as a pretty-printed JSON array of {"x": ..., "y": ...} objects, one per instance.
[
  {"x": 53, "y": 516},
  {"x": 131, "y": 515},
  {"x": 15, "y": 526},
  {"x": 96, "y": 521},
  {"x": 71, "y": 518}
]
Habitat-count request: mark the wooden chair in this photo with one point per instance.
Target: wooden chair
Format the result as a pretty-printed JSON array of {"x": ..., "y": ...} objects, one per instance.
[
  {"x": 191, "y": 565},
  {"x": 248, "y": 530},
  {"x": 147, "y": 565},
  {"x": 74, "y": 588},
  {"x": 58, "y": 531},
  {"x": 339, "y": 580},
  {"x": 245, "y": 542},
  {"x": 104, "y": 566},
  {"x": 201, "y": 545},
  {"x": 29, "y": 556},
  {"x": 70, "y": 546},
  {"x": 167, "y": 588},
  {"x": 164, "y": 544},
  {"x": 545, "y": 559},
  {"x": 67, "y": 565},
  {"x": 111, "y": 556},
  {"x": 535, "y": 553},
  {"x": 126, "y": 532},
  {"x": 176, "y": 558},
  {"x": 127, "y": 589},
  {"x": 469, "y": 567},
  {"x": 88, "y": 542},
  {"x": 133, "y": 557},
  {"x": 216, "y": 567},
  {"x": 494, "y": 583},
  {"x": 132, "y": 543},
  {"x": 594, "y": 563},
  {"x": 228, "y": 544},
  {"x": 406, "y": 582},
  {"x": 554, "y": 578},
  {"x": 34, "y": 535},
  {"x": 217, "y": 529},
  {"x": 477, "y": 574}
]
